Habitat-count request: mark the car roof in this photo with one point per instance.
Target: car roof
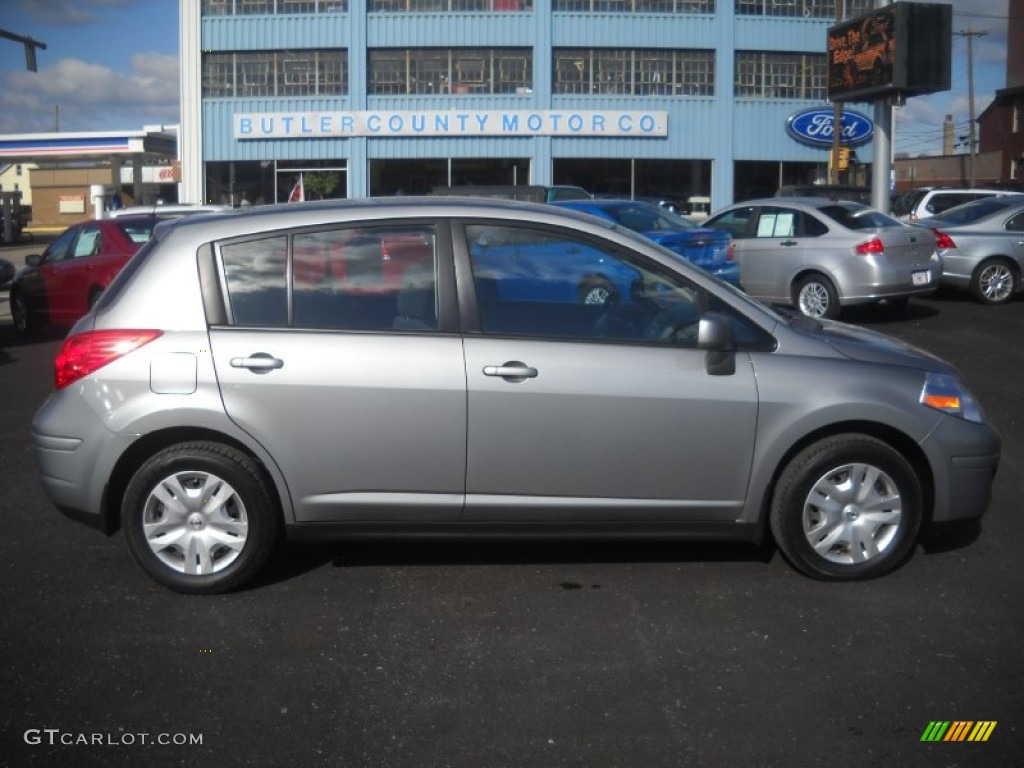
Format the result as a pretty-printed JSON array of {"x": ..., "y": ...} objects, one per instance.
[{"x": 266, "y": 218}]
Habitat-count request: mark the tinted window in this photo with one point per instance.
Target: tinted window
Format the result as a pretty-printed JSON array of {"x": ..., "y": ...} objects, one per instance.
[
  {"x": 366, "y": 279},
  {"x": 946, "y": 200},
  {"x": 59, "y": 248},
  {"x": 353, "y": 278},
  {"x": 256, "y": 277},
  {"x": 735, "y": 222},
  {"x": 1016, "y": 223},
  {"x": 553, "y": 284},
  {"x": 137, "y": 231},
  {"x": 906, "y": 202}
]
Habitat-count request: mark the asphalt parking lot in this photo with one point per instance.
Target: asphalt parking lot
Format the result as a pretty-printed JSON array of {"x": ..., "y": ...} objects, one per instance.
[{"x": 447, "y": 654}]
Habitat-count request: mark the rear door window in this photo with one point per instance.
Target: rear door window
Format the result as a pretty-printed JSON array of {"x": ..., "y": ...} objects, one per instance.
[{"x": 343, "y": 278}]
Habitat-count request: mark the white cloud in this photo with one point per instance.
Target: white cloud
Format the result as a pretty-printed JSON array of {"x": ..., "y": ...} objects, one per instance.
[{"x": 90, "y": 96}]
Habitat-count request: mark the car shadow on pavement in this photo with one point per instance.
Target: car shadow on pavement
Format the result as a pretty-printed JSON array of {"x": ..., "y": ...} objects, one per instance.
[{"x": 295, "y": 559}]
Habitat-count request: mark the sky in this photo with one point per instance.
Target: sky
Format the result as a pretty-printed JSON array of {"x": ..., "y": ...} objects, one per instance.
[{"x": 113, "y": 65}]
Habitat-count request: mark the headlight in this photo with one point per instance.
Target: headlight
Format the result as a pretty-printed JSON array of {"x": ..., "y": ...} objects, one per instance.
[{"x": 946, "y": 394}]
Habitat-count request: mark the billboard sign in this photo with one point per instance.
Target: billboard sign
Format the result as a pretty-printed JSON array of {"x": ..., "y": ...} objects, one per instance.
[{"x": 904, "y": 48}]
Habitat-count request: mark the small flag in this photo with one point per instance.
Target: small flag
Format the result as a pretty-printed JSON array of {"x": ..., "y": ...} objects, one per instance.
[{"x": 298, "y": 193}]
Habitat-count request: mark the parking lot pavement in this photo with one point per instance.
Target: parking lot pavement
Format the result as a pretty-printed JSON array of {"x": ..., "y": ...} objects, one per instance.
[{"x": 514, "y": 655}]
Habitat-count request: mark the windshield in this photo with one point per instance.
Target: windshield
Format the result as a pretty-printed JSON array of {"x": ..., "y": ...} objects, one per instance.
[
  {"x": 647, "y": 218},
  {"x": 853, "y": 216},
  {"x": 976, "y": 210}
]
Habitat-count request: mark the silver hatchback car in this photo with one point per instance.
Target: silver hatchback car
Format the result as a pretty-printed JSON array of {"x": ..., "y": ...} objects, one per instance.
[
  {"x": 429, "y": 367},
  {"x": 821, "y": 255}
]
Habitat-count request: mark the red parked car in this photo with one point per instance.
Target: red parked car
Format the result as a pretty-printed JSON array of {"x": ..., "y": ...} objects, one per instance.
[{"x": 63, "y": 283}]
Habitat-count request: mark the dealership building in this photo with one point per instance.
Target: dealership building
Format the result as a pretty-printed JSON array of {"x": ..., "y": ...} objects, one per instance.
[{"x": 690, "y": 100}]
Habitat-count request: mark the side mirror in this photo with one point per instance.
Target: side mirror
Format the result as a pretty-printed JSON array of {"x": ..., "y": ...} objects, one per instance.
[
  {"x": 34, "y": 260},
  {"x": 715, "y": 335}
]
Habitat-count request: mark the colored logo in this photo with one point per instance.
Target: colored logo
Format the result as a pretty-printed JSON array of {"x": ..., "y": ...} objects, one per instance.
[
  {"x": 958, "y": 730},
  {"x": 815, "y": 127}
]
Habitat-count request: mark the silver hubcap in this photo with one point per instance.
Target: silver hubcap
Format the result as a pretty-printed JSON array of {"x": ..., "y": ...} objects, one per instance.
[
  {"x": 852, "y": 514},
  {"x": 597, "y": 295},
  {"x": 814, "y": 300},
  {"x": 996, "y": 282},
  {"x": 195, "y": 523}
]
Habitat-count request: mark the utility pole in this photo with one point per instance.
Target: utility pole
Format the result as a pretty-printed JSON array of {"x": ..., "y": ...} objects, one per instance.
[{"x": 970, "y": 35}]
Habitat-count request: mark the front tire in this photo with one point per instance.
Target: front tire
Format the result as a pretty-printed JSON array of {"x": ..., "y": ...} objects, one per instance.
[
  {"x": 815, "y": 296},
  {"x": 21, "y": 315},
  {"x": 845, "y": 508},
  {"x": 199, "y": 518},
  {"x": 994, "y": 282}
]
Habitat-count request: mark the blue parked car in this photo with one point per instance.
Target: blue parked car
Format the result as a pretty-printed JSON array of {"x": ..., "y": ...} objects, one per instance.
[{"x": 708, "y": 249}]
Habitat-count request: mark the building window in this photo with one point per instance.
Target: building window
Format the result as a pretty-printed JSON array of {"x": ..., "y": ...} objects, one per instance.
[
  {"x": 256, "y": 7},
  {"x": 780, "y": 75},
  {"x": 634, "y": 6},
  {"x": 444, "y": 70},
  {"x": 807, "y": 9},
  {"x": 1016, "y": 117},
  {"x": 444, "y": 6},
  {"x": 642, "y": 72},
  {"x": 250, "y": 74}
]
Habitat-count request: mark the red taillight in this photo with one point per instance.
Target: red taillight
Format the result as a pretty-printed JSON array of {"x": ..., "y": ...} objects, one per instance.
[
  {"x": 730, "y": 251},
  {"x": 86, "y": 352},
  {"x": 874, "y": 245},
  {"x": 942, "y": 240}
]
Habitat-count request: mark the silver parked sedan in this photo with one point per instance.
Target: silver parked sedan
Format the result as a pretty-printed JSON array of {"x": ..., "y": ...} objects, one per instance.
[
  {"x": 431, "y": 367},
  {"x": 982, "y": 246},
  {"x": 821, "y": 255}
]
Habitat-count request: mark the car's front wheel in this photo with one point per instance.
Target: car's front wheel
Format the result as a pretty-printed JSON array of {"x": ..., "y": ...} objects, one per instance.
[
  {"x": 994, "y": 282},
  {"x": 200, "y": 518},
  {"x": 847, "y": 507},
  {"x": 21, "y": 315},
  {"x": 815, "y": 296}
]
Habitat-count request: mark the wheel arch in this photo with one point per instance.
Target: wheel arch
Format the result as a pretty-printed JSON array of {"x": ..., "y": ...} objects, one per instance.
[
  {"x": 148, "y": 445},
  {"x": 808, "y": 271},
  {"x": 889, "y": 435}
]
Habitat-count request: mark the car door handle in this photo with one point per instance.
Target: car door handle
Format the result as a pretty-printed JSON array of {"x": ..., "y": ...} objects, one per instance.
[
  {"x": 513, "y": 370},
  {"x": 260, "y": 362},
  {"x": 789, "y": 242}
]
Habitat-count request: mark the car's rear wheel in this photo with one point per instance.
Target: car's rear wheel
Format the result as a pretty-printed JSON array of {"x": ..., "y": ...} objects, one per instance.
[
  {"x": 994, "y": 282},
  {"x": 847, "y": 507},
  {"x": 199, "y": 517},
  {"x": 21, "y": 315},
  {"x": 815, "y": 296}
]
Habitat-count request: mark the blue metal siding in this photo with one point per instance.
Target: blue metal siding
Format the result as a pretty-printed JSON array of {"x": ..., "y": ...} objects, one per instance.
[{"x": 716, "y": 128}]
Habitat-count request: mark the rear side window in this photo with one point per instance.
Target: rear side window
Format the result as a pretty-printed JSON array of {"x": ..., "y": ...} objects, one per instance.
[
  {"x": 257, "y": 281},
  {"x": 345, "y": 278},
  {"x": 946, "y": 200},
  {"x": 137, "y": 231}
]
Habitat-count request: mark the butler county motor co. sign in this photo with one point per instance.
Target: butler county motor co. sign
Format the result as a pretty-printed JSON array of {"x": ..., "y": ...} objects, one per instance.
[{"x": 493, "y": 122}]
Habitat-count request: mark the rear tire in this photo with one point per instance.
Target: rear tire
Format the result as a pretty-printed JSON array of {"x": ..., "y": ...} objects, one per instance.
[
  {"x": 815, "y": 296},
  {"x": 994, "y": 282},
  {"x": 200, "y": 518},
  {"x": 848, "y": 507}
]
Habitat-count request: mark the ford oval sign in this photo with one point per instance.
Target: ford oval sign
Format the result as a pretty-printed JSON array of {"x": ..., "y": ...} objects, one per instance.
[{"x": 814, "y": 127}]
